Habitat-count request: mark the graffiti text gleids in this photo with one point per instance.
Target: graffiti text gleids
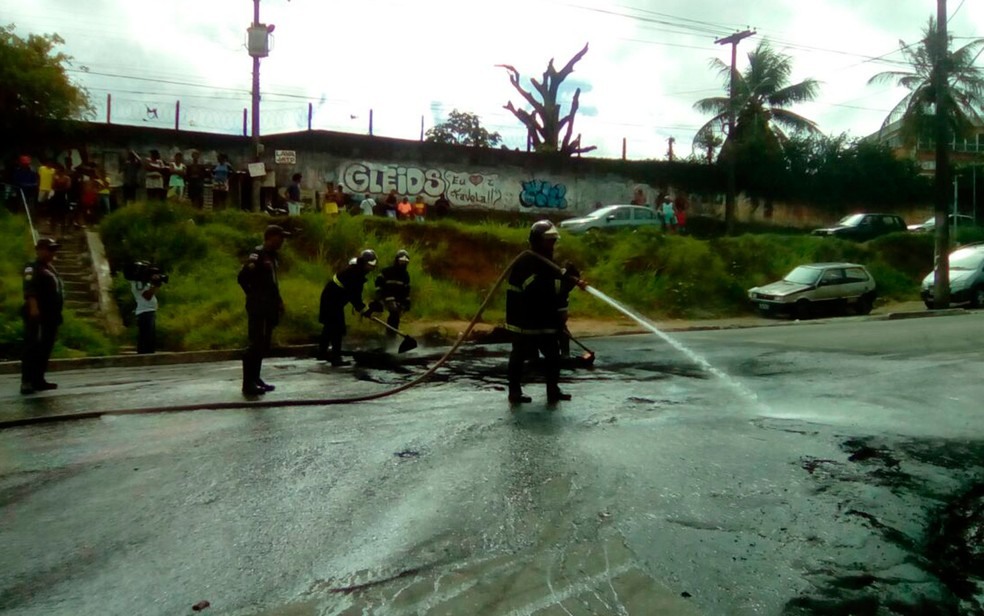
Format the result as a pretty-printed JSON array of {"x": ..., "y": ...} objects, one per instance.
[{"x": 381, "y": 179}]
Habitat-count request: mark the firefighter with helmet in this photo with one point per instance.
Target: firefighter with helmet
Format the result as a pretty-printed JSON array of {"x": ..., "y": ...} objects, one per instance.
[
  {"x": 535, "y": 303},
  {"x": 345, "y": 287},
  {"x": 393, "y": 289}
]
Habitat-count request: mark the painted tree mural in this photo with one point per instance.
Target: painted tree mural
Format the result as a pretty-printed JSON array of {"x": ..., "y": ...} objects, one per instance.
[{"x": 544, "y": 124}]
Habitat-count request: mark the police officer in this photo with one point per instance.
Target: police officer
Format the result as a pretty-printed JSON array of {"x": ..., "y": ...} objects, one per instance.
[
  {"x": 533, "y": 308},
  {"x": 344, "y": 288},
  {"x": 393, "y": 290},
  {"x": 264, "y": 306},
  {"x": 43, "y": 299}
]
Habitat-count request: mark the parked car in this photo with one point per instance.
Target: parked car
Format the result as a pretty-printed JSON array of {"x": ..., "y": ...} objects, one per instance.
[
  {"x": 612, "y": 217},
  {"x": 966, "y": 278},
  {"x": 863, "y": 227},
  {"x": 930, "y": 224},
  {"x": 807, "y": 289}
]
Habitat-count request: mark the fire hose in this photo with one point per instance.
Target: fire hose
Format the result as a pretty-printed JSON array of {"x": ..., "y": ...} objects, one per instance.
[{"x": 246, "y": 404}]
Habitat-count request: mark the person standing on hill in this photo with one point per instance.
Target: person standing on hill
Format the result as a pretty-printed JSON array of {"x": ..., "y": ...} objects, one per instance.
[
  {"x": 131, "y": 177},
  {"x": 533, "y": 303},
  {"x": 264, "y": 306},
  {"x": 195, "y": 179},
  {"x": 393, "y": 290},
  {"x": 345, "y": 287},
  {"x": 43, "y": 300},
  {"x": 221, "y": 175}
]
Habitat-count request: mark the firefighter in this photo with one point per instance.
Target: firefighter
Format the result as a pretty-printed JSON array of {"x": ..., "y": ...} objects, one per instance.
[
  {"x": 264, "y": 306},
  {"x": 344, "y": 288},
  {"x": 393, "y": 290},
  {"x": 533, "y": 305},
  {"x": 43, "y": 300}
]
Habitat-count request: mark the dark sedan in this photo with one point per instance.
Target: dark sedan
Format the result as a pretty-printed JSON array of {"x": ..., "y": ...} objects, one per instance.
[{"x": 863, "y": 227}]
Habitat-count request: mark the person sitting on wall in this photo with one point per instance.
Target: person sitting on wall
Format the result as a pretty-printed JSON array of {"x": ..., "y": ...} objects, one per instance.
[
  {"x": 404, "y": 211},
  {"x": 442, "y": 207},
  {"x": 419, "y": 209}
]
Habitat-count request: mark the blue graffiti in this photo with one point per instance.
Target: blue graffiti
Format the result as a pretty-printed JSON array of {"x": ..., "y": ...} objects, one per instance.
[{"x": 539, "y": 193}]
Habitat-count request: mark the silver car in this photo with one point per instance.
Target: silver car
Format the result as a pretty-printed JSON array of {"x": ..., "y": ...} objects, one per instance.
[
  {"x": 807, "y": 289},
  {"x": 966, "y": 278},
  {"x": 612, "y": 217}
]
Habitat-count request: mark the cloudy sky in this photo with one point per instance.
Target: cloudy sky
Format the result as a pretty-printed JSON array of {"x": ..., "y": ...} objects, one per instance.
[{"x": 647, "y": 63}]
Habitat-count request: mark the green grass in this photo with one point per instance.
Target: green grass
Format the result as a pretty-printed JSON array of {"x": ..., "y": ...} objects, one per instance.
[{"x": 453, "y": 266}]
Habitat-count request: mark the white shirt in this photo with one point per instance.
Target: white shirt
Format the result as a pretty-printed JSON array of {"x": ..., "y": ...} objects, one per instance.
[
  {"x": 143, "y": 304},
  {"x": 367, "y": 205}
]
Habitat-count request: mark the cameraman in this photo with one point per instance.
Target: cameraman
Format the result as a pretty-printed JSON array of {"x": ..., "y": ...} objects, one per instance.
[{"x": 145, "y": 293}]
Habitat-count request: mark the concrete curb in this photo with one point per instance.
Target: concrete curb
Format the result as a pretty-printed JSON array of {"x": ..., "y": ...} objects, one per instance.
[{"x": 308, "y": 350}]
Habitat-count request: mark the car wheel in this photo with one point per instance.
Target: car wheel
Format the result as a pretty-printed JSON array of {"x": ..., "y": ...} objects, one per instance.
[
  {"x": 865, "y": 303},
  {"x": 977, "y": 297},
  {"x": 803, "y": 309}
]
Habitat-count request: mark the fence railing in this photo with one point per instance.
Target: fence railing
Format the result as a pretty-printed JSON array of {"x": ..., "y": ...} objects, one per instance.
[{"x": 15, "y": 192}]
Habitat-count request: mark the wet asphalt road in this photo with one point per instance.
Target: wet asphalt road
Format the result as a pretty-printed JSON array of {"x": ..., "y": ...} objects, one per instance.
[{"x": 841, "y": 471}]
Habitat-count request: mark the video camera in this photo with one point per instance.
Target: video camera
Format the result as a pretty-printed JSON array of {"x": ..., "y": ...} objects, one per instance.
[{"x": 144, "y": 271}]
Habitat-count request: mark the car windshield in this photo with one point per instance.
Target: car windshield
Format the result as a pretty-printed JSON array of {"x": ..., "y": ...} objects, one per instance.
[
  {"x": 851, "y": 221},
  {"x": 803, "y": 275},
  {"x": 966, "y": 259},
  {"x": 605, "y": 211}
]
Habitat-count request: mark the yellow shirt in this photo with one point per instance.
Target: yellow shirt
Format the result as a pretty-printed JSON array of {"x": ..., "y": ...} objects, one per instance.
[{"x": 45, "y": 175}]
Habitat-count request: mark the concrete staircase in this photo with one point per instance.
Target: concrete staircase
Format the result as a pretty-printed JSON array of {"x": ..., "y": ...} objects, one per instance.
[{"x": 75, "y": 267}]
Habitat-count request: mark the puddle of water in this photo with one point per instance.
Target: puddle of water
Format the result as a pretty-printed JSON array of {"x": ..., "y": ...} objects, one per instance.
[{"x": 676, "y": 344}]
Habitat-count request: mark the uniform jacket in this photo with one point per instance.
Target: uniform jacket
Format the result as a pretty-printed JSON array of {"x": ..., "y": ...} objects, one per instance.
[
  {"x": 41, "y": 281},
  {"x": 534, "y": 297},
  {"x": 393, "y": 284},
  {"x": 258, "y": 278},
  {"x": 344, "y": 287}
]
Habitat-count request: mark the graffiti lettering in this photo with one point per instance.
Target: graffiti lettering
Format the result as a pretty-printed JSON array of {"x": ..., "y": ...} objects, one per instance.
[
  {"x": 472, "y": 188},
  {"x": 381, "y": 179},
  {"x": 539, "y": 193}
]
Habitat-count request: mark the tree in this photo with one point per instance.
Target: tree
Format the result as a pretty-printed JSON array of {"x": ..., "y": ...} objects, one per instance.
[
  {"x": 34, "y": 85},
  {"x": 762, "y": 121},
  {"x": 544, "y": 125},
  {"x": 462, "y": 128},
  {"x": 946, "y": 96}
]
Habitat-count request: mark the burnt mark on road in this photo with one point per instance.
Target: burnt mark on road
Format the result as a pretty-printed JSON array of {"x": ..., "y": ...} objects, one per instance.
[{"x": 926, "y": 553}]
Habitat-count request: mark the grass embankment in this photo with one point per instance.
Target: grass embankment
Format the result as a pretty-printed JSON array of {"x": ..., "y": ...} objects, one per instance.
[
  {"x": 76, "y": 337},
  {"x": 454, "y": 265}
]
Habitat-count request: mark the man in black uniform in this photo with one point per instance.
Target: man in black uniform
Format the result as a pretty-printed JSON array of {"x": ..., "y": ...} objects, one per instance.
[
  {"x": 264, "y": 307},
  {"x": 533, "y": 304},
  {"x": 393, "y": 290},
  {"x": 344, "y": 288},
  {"x": 43, "y": 298}
]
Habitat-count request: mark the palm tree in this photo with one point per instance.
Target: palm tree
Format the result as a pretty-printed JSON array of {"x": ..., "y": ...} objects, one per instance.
[
  {"x": 762, "y": 97},
  {"x": 937, "y": 113}
]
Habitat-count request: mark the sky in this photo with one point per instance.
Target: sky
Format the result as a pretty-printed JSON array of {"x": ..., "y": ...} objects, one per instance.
[{"x": 648, "y": 62}]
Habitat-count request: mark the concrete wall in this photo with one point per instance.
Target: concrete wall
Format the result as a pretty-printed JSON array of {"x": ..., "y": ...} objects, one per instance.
[{"x": 472, "y": 178}]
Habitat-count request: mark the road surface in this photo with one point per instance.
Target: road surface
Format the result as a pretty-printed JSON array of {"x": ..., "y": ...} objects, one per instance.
[{"x": 836, "y": 468}]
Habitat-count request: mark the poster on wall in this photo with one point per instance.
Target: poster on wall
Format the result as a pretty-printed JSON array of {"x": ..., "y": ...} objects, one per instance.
[{"x": 256, "y": 170}]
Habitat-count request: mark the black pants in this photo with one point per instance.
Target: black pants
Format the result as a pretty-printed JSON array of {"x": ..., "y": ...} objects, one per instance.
[
  {"x": 393, "y": 320},
  {"x": 39, "y": 339},
  {"x": 129, "y": 194},
  {"x": 332, "y": 332},
  {"x": 526, "y": 347},
  {"x": 260, "y": 331},
  {"x": 147, "y": 332},
  {"x": 196, "y": 192}
]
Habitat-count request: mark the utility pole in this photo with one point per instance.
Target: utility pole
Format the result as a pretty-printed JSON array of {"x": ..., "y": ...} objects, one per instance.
[
  {"x": 729, "y": 202},
  {"x": 669, "y": 152},
  {"x": 258, "y": 45},
  {"x": 941, "y": 288}
]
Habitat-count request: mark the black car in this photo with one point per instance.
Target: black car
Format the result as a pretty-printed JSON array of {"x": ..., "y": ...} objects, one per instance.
[{"x": 863, "y": 227}]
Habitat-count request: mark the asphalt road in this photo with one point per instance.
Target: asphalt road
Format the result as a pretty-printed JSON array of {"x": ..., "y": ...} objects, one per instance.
[{"x": 837, "y": 468}]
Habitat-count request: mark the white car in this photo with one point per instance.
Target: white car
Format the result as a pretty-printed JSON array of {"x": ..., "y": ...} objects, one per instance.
[
  {"x": 966, "y": 278},
  {"x": 807, "y": 288},
  {"x": 612, "y": 217}
]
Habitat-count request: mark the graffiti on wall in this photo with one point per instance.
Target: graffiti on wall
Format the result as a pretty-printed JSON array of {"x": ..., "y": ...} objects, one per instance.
[
  {"x": 543, "y": 194},
  {"x": 461, "y": 188},
  {"x": 472, "y": 188}
]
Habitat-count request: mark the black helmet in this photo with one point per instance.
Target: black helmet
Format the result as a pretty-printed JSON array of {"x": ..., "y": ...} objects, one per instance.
[
  {"x": 541, "y": 230},
  {"x": 367, "y": 257},
  {"x": 402, "y": 256}
]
